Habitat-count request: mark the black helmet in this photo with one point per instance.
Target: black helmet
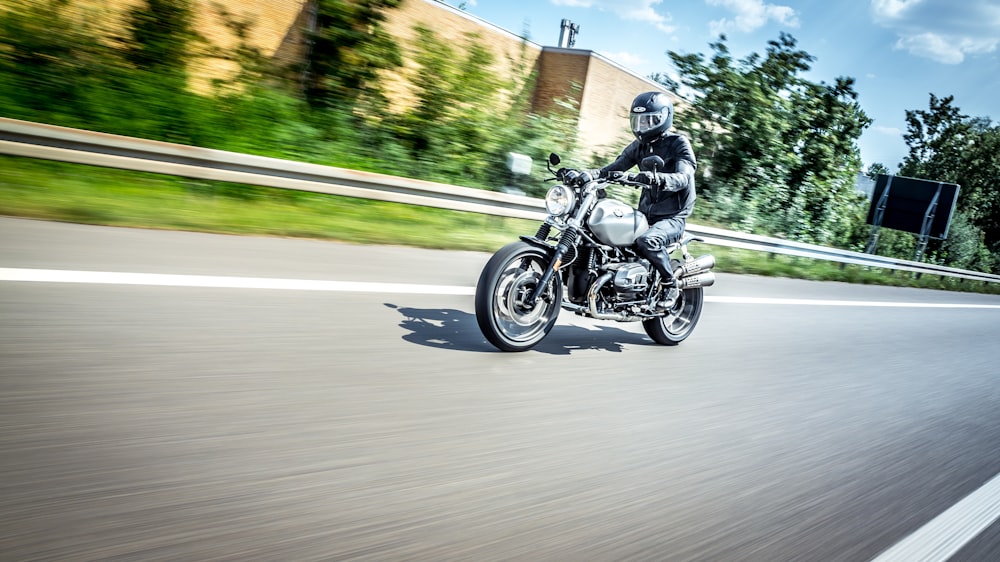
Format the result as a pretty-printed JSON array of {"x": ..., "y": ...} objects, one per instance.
[{"x": 651, "y": 116}]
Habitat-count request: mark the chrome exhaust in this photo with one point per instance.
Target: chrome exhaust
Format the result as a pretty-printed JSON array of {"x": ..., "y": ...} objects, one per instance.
[
  {"x": 695, "y": 266},
  {"x": 592, "y": 301},
  {"x": 706, "y": 279}
]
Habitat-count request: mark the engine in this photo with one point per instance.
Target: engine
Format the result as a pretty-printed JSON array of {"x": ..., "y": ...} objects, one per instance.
[{"x": 630, "y": 280}]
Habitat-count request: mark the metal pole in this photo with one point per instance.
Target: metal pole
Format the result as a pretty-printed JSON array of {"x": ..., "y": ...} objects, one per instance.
[
  {"x": 925, "y": 228},
  {"x": 877, "y": 219}
]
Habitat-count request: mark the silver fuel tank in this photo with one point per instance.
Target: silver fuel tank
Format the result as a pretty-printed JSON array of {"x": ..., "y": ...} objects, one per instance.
[{"x": 616, "y": 224}]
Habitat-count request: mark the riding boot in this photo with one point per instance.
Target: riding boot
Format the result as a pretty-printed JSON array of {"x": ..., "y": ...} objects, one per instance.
[
  {"x": 669, "y": 291},
  {"x": 653, "y": 245},
  {"x": 660, "y": 260}
]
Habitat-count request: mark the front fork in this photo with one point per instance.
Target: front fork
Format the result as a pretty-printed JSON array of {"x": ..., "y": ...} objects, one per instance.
[{"x": 566, "y": 241}]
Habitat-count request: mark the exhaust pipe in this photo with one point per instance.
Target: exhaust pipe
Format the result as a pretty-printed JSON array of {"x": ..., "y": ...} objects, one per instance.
[
  {"x": 592, "y": 299},
  {"x": 592, "y": 302},
  {"x": 706, "y": 279},
  {"x": 704, "y": 263}
]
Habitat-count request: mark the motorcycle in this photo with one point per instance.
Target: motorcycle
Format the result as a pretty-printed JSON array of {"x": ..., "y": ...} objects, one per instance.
[{"x": 590, "y": 268}]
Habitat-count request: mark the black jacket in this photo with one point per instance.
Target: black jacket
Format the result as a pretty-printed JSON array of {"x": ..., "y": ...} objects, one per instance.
[{"x": 675, "y": 199}]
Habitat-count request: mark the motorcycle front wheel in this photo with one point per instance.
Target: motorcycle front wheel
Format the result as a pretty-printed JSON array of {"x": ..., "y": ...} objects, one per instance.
[
  {"x": 679, "y": 321},
  {"x": 506, "y": 283}
]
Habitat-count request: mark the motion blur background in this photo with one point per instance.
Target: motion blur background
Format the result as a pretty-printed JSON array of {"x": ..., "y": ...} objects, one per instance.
[
  {"x": 189, "y": 416},
  {"x": 422, "y": 89}
]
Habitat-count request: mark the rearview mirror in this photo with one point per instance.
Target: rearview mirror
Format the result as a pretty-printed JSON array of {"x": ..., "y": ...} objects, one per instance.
[
  {"x": 652, "y": 164},
  {"x": 554, "y": 159}
]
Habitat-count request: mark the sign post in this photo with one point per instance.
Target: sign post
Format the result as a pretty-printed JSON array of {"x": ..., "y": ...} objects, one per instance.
[{"x": 922, "y": 207}]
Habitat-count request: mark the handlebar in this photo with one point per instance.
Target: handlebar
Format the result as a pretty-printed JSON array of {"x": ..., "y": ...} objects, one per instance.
[
  {"x": 573, "y": 177},
  {"x": 625, "y": 179}
]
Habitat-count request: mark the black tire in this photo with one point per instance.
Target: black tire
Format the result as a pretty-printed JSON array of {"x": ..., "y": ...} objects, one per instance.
[
  {"x": 508, "y": 278},
  {"x": 680, "y": 320}
]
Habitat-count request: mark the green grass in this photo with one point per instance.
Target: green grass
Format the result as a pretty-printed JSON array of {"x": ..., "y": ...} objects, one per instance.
[
  {"x": 92, "y": 195},
  {"x": 86, "y": 194}
]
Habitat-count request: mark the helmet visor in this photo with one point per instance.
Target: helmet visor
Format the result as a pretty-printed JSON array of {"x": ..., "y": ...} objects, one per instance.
[{"x": 642, "y": 122}]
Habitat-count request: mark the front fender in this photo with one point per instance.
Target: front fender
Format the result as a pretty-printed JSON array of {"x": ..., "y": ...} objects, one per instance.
[{"x": 549, "y": 250}]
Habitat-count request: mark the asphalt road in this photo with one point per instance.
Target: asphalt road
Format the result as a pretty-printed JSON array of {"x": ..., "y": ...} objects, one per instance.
[{"x": 144, "y": 422}]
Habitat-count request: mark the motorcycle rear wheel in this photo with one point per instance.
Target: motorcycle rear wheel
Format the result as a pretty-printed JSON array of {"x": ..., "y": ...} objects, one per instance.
[
  {"x": 680, "y": 320},
  {"x": 506, "y": 282}
]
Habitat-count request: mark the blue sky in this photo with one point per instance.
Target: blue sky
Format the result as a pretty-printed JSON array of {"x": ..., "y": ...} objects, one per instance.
[{"x": 898, "y": 51}]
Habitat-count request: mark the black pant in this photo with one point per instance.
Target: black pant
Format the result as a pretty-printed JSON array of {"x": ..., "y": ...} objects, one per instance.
[{"x": 653, "y": 244}]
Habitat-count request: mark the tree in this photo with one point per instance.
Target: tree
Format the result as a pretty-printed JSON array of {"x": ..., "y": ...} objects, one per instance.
[
  {"x": 160, "y": 36},
  {"x": 347, "y": 48},
  {"x": 877, "y": 169},
  {"x": 48, "y": 58},
  {"x": 946, "y": 145},
  {"x": 467, "y": 116},
  {"x": 776, "y": 152}
]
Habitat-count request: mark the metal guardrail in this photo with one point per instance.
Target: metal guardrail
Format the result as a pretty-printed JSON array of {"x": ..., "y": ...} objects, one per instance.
[{"x": 35, "y": 140}]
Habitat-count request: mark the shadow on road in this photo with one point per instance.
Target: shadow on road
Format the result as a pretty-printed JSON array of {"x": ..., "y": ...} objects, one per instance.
[{"x": 455, "y": 329}]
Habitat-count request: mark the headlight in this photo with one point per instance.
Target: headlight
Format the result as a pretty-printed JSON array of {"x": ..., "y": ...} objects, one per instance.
[{"x": 559, "y": 200}]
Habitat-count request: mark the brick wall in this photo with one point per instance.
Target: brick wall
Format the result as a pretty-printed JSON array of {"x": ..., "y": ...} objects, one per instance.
[
  {"x": 459, "y": 29},
  {"x": 453, "y": 25},
  {"x": 606, "y": 102},
  {"x": 601, "y": 89}
]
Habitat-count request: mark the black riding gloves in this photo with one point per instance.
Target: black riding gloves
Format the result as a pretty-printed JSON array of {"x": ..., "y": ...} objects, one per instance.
[
  {"x": 591, "y": 175},
  {"x": 651, "y": 179}
]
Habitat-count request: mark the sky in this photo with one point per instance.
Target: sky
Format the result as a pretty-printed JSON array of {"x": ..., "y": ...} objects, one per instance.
[{"x": 898, "y": 51}]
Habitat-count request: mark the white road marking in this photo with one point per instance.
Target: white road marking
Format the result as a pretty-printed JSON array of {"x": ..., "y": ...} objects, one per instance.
[
  {"x": 946, "y": 534},
  {"x": 227, "y": 282},
  {"x": 172, "y": 280},
  {"x": 818, "y": 302}
]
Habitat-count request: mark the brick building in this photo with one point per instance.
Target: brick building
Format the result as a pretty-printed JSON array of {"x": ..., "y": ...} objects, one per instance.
[{"x": 600, "y": 89}]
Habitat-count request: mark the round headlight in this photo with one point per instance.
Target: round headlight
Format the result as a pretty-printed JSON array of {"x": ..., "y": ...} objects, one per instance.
[{"x": 559, "y": 200}]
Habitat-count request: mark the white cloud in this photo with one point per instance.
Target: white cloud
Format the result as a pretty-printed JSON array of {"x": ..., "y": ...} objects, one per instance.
[
  {"x": 633, "y": 10},
  {"x": 626, "y": 59},
  {"x": 941, "y": 30},
  {"x": 931, "y": 46},
  {"x": 892, "y": 9},
  {"x": 750, "y": 15}
]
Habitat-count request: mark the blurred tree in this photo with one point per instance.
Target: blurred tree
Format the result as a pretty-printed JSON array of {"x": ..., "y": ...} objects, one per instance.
[
  {"x": 347, "y": 47},
  {"x": 777, "y": 153},
  {"x": 946, "y": 145},
  {"x": 456, "y": 96},
  {"x": 253, "y": 66},
  {"x": 161, "y": 36},
  {"x": 875, "y": 169},
  {"x": 467, "y": 116},
  {"x": 48, "y": 57}
]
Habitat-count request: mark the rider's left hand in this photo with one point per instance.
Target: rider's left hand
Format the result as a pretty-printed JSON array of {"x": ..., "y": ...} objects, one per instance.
[{"x": 649, "y": 178}]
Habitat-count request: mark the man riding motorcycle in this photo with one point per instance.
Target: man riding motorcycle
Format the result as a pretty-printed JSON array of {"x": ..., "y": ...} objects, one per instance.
[{"x": 669, "y": 196}]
